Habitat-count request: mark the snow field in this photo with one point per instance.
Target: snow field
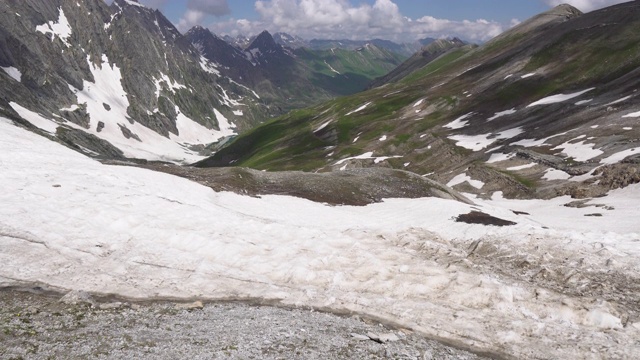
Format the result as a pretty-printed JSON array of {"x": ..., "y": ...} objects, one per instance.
[{"x": 71, "y": 222}]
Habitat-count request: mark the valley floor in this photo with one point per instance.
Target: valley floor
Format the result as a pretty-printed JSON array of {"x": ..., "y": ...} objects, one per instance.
[{"x": 560, "y": 283}]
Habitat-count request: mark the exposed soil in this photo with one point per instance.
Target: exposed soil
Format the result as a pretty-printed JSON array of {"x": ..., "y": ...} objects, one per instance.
[{"x": 349, "y": 187}]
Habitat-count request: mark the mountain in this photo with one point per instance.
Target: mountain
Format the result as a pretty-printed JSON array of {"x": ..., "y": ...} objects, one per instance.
[
  {"x": 427, "y": 54},
  {"x": 405, "y": 49},
  {"x": 345, "y": 72},
  {"x": 240, "y": 41},
  {"x": 548, "y": 108},
  {"x": 287, "y": 78},
  {"x": 115, "y": 81},
  {"x": 290, "y": 41}
]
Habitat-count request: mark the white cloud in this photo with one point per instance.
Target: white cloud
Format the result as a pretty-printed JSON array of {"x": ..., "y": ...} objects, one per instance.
[
  {"x": 586, "y": 5},
  {"x": 339, "y": 19},
  {"x": 197, "y": 10}
]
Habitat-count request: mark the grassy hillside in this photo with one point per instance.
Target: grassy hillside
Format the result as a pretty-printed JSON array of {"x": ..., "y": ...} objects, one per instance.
[{"x": 409, "y": 124}]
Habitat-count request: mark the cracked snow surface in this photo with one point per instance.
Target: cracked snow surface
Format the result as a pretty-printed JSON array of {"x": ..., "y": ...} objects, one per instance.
[{"x": 558, "y": 284}]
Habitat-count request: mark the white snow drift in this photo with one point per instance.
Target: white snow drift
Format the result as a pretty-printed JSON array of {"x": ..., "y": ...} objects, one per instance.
[{"x": 71, "y": 222}]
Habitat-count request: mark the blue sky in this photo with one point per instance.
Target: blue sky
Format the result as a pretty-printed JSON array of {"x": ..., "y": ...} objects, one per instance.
[{"x": 398, "y": 20}]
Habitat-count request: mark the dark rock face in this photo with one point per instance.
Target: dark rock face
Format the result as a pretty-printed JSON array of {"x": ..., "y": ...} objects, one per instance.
[{"x": 59, "y": 48}]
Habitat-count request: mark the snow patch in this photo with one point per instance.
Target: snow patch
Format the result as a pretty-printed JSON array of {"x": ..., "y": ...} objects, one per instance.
[
  {"x": 238, "y": 112},
  {"x": 190, "y": 132},
  {"x": 383, "y": 138},
  {"x": 522, "y": 167},
  {"x": 498, "y": 157},
  {"x": 632, "y": 115},
  {"x": 459, "y": 179},
  {"x": 59, "y": 28},
  {"x": 619, "y": 156},
  {"x": 479, "y": 142},
  {"x": 358, "y": 109},
  {"x": 579, "y": 151},
  {"x": 365, "y": 156},
  {"x": 208, "y": 66},
  {"x": 559, "y": 98},
  {"x": 418, "y": 103},
  {"x": 324, "y": 125},
  {"x": 527, "y": 75},
  {"x": 619, "y": 100},
  {"x": 554, "y": 174},
  {"x": 582, "y": 102},
  {"x": 459, "y": 123},
  {"x": 502, "y": 113},
  {"x": 14, "y": 73},
  {"x": 331, "y": 68},
  {"x": 35, "y": 119},
  {"x": 535, "y": 143}
]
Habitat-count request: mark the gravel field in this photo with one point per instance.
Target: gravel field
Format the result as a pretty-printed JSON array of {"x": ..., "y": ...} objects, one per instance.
[{"x": 38, "y": 325}]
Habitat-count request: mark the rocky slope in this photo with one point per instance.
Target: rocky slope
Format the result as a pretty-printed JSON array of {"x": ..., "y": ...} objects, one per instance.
[
  {"x": 115, "y": 81},
  {"x": 547, "y": 108}
]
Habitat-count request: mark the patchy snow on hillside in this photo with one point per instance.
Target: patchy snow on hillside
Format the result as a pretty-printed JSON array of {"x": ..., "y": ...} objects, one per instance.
[
  {"x": 579, "y": 151},
  {"x": 479, "y": 142},
  {"x": 190, "y": 132},
  {"x": 502, "y": 113},
  {"x": 558, "y": 98},
  {"x": 358, "y": 109},
  {"x": 14, "y": 73},
  {"x": 458, "y": 123},
  {"x": 632, "y": 115},
  {"x": 498, "y": 157},
  {"x": 365, "y": 156},
  {"x": 208, "y": 66},
  {"x": 539, "y": 142},
  {"x": 35, "y": 119},
  {"x": 521, "y": 167},
  {"x": 331, "y": 68},
  {"x": 145, "y": 144},
  {"x": 555, "y": 174},
  {"x": 619, "y": 156},
  {"x": 70, "y": 222},
  {"x": 59, "y": 28},
  {"x": 619, "y": 100},
  {"x": 461, "y": 178}
]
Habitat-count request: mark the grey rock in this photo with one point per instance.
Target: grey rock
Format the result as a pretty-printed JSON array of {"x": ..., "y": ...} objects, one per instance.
[{"x": 77, "y": 297}]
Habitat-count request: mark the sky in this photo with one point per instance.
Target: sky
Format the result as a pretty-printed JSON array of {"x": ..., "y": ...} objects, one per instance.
[{"x": 396, "y": 20}]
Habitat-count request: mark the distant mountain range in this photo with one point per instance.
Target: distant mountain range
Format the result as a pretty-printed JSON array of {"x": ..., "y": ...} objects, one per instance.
[
  {"x": 296, "y": 42},
  {"x": 289, "y": 78}
]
